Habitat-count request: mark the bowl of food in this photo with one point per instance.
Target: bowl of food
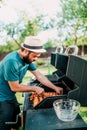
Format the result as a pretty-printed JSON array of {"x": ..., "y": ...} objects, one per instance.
[{"x": 66, "y": 109}]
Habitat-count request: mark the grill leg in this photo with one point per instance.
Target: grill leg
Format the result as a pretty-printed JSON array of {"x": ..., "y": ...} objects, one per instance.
[{"x": 17, "y": 123}]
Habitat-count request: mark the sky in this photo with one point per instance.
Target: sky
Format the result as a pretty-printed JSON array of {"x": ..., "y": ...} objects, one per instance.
[{"x": 9, "y": 11}]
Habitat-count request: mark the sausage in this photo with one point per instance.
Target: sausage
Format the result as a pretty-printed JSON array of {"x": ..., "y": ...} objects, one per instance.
[{"x": 38, "y": 98}]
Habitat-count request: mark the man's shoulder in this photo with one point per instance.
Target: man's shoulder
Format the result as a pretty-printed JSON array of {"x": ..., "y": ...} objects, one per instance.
[{"x": 11, "y": 57}]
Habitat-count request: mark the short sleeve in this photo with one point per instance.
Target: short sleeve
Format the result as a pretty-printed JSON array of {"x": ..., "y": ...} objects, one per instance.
[
  {"x": 11, "y": 70},
  {"x": 32, "y": 67}
]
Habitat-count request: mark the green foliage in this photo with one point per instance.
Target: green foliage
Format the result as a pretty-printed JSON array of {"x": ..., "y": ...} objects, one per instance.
[
  {"x": 69, "y": 42},
  {"x": 50, "y": 44},
  {"x": 80, "y": 41},
  {"x": 74, "y": 8},
  {"x": 45, "y": 25},
  {"x": 2, "y": 49},
  {"x": 74, "y": 16},
  {"x": 8, "y": 47},
  {"x": 83, "y": 8},
  {"x": 31, "y": 28},
  {"x": 12, "y": 30}
]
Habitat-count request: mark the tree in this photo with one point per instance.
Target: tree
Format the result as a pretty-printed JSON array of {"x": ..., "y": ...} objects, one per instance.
[
  {"x": 16, "y": 32},
  {"x": 75, "y": 10},
  {"x": 1, "y": 2}
]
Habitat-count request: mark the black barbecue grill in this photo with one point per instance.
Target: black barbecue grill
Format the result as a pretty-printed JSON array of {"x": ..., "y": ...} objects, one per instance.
[{"x": 71, "y": 76}]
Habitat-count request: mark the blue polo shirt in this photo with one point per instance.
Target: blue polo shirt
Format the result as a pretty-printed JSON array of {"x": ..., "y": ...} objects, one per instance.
[{"x": 12, "y": 68}]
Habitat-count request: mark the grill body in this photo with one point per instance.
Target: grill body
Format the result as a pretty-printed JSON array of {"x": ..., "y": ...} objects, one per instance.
[{"x": 71, "y": 76}]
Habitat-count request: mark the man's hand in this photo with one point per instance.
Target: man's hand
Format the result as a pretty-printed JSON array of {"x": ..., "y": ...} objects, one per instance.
[
  {"x": 59, "y": 90},
  {"x": 46, "y": 82}
]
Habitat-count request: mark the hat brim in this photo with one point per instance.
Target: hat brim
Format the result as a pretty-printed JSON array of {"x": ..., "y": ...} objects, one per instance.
[{"x": 34, "y": 50}]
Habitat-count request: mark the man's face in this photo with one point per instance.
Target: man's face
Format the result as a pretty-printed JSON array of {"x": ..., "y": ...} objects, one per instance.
[{"x": 30, "y": 57}]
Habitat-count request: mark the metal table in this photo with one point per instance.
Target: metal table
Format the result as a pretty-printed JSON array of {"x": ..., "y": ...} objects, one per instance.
[{"x": 46, "y": 119}]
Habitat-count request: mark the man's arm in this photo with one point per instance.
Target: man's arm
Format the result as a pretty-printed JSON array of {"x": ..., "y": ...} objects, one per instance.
[
  {"x": 40, "y": 77},
  {"x": 16, "y": 87}
]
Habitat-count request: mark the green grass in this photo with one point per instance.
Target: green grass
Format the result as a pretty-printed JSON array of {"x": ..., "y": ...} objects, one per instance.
[
  {"x": 83, "y": 113},
  {"x": 21, "y": 128}
]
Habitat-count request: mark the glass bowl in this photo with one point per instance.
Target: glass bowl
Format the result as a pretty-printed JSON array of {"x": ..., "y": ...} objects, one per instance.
[{"x": 66, "y": 109}]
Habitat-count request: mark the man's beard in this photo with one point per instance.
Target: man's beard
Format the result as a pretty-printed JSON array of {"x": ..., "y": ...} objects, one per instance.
[{"x": 26, "y": 59}]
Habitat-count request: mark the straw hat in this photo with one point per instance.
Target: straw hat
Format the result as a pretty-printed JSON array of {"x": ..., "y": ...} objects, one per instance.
[{"x": 33, "y": 43}]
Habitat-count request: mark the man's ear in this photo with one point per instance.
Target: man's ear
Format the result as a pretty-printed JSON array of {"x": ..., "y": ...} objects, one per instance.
[{"x": 26, "y": 52}]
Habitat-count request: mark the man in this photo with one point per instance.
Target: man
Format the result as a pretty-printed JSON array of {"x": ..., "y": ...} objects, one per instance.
[{"x": 12, "y": 70}]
